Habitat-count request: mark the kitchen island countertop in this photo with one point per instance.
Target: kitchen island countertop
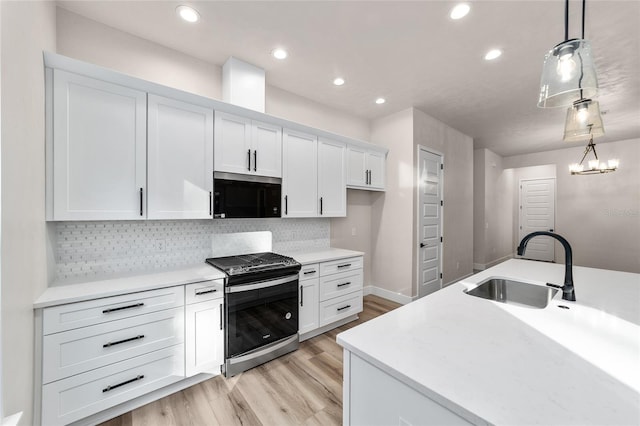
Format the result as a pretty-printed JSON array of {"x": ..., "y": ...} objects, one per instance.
[{"x": 497, "y": 363}]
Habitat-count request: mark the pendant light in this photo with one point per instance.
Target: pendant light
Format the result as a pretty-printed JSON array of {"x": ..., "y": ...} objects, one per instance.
[
  {"x": 568, "y": 73},
  {"x": 583, "y": 121},
  {"x": 595, "y": 166}
]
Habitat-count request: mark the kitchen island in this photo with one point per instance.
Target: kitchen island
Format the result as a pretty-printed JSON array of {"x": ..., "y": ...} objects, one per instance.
[{"x": 452, "y": 358}]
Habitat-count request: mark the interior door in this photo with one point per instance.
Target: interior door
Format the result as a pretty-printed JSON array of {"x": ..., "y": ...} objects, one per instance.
[
  {"x": 537, "y": 213},
  {"x": 429, "y": 222}
]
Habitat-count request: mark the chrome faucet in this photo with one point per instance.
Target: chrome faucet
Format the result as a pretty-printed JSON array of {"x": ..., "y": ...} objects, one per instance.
[{"x": 568, "y": 292}]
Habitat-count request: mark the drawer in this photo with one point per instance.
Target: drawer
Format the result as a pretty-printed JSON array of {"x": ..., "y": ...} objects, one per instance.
[
  {"x": 342, "y": 265},
  {"x": 340, "y": 284},
  {"x": 340, "y": 307},
  {"x": 203, "y": 291},
  {"x": 309, "y": 271},
  {"x": 76, "y": 351},
  {"x": 82, "y": 395},
  {"x": 83, "y": 314}
]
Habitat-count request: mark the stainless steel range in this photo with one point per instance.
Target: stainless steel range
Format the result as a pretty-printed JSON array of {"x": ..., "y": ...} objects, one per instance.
[{"x": 261, "y": 308}]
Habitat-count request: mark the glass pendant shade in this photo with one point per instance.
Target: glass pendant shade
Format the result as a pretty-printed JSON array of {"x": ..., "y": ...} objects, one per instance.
[
  {"x": 568, "y": 74},
  {"x": 583, "y": 121}
]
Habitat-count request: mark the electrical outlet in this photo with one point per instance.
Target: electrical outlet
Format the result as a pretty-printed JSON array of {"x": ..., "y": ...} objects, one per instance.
[
  {"x": 353, "y": 231},
  {"x": 160, "y": 245}
]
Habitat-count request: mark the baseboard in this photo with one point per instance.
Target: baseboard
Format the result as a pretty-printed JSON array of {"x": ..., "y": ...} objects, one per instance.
[
  {"x": 482, "y": 267},
  {"x": 386, "y": 294}
]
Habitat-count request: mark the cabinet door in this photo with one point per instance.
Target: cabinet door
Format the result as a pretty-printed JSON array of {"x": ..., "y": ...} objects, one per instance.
[
  {"x": 99, "y": 150},
  {"x": 376, "y": 166},
  {"x": 232, "y": 147},
  {"x": 308, "y": 310},
  {"x": 267, "y": 149},
  {"x": 332, "y": 186},
  {"x": 204, "y": 338},
  {"x": 180, "y": 160},
  {"x": 356, "y": 167},
  {"x": 299, "y": 175}
]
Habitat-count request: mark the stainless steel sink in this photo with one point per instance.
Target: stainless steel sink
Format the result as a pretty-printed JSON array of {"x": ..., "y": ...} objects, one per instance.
[{"x": 514, "y": 292}]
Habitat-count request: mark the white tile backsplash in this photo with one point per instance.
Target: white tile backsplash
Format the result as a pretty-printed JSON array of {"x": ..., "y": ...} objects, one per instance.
[{"x": 96, "y": 249}]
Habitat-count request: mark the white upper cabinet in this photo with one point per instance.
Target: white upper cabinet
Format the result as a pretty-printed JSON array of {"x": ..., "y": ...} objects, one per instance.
[
  {"x": 332, "y": 188},
  {"x": 299, "y": 174},
  {"x": 365, "y": 168},
  {"x": 180, "y": 160},
  {"x": 98, "y": 150},
  {"x": 247, "y": 146}
]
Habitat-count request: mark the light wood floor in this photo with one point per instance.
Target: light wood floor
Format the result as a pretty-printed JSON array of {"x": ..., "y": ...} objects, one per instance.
[{"x": 300, "y": 388}]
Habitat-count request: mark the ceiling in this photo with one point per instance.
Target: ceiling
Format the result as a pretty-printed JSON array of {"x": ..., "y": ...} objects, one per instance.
[{"x": 412, "y": 54}]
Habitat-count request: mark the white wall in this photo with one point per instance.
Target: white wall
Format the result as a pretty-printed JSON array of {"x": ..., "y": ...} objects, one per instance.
[
  {"x": 393, "y": 210},
  {"x": 598, "y": 214},
  {"x": 493, "y": 209},
  {"x": 28, "y": 28},
  {"x": 458, "y": 192}
]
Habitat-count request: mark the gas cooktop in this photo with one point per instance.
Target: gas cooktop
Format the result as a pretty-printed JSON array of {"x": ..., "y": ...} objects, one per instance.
[{"x": 255, "y": 266}]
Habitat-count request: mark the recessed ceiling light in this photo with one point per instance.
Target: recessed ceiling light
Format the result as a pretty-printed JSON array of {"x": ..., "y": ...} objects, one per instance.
[
  {"x": 380, "y": 101},
  {"x": 493, "y": 54},
  {"x": 339, "y": 81},
  {"x": 279, "y": 53},
  {"x": 460, "y": 11},
  {"x": 188, "y": 13}
]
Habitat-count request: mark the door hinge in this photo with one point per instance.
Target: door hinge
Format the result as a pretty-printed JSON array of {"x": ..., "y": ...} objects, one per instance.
[
  {"x": 441, "y": 239},
  {"x": 441, "y": 166},
  {"x": 441, "y": 203},
  {"x": 440, "y": 275}
]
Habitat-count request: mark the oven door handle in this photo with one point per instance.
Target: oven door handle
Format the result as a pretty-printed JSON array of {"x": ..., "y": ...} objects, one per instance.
[{"x": 262, "y": 284}]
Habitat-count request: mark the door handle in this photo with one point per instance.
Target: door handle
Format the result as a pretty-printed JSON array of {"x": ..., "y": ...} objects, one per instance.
[
  {"x": 141, "y": 201},
  {"x": 249, "y": 159},
  {"x": 286, "y": 205},
  {"x": 422, "y": 245},
  {"x": 320, "y": 205},
  {"x": 210, "y": 203},
  {"x": 550, "y": 230},
  {"x": 255, "y": 160}
]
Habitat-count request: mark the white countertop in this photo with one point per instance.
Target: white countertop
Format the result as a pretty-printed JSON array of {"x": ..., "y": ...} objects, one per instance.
[
  {"x": 67, "y": 292},
  {"x": 322, "y": 255},
  {"x": 497, "y": 363}
]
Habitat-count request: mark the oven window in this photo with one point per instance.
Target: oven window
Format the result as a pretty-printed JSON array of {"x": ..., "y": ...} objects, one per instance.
[{"x": 261, "y": 316}]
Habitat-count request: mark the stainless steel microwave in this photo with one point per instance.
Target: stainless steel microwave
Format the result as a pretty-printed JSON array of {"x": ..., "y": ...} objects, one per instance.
[{"x": 240, "y": 196}]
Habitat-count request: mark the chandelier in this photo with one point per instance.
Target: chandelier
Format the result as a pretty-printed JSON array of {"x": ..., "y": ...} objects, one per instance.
[{"x": 594, "y": 166}]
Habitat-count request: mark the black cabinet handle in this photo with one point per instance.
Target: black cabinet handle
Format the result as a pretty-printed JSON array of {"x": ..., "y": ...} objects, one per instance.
[
  {"x": 221, "y": 316},
  {"x": 343, "y": 284},
  {"x": 344, "y": 307},
  {"x": 210, "y": 203},
  {"x": 249, "y": 159},
  {"x": 344, "y": 265},
  {"x": 301, "y": 296},
  {"x": 131, "y": 339},
  {"x": 309, "y": 272},
  {"x": 141, "y": 196},
  {"x": 320, "y": 205},
  {"x": 286, "y": 204},
  {"x": 200, "y": 293},
  {"x": 136, "y": 305},
  {"x": 255, "y": 160},
  {"x": 135, "y": 379}
]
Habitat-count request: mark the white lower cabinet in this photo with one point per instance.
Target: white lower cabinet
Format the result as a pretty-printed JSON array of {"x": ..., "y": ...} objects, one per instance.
[
  {"x": 329, "y": 292},
  {"x": 308, "y": 311},
  {"x": 204, "y": 336},
  {"x": 99, "y": 353},
  {"x": 79, "y": 396}
]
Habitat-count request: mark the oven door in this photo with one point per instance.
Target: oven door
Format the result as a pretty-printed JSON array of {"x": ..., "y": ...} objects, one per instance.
[{"x": 260, "y": 313}]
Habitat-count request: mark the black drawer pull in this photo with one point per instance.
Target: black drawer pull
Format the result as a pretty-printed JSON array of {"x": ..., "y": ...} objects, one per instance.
[
  {"x": 135, "y": 379},
  {"x": 343, "y": 284},
  {"x": 301, "y": 295},
  {"x": 249, "y": 159},
  {"x": 131, "y": 339},
  {"x": 141, "y": 201},
  {"x": 343, "y": 308},
  {"x": 136, "y": 305},
  {"x": 309, "y": 272},
  {"x": 286, "y": 204},
  {"x": 199, "y": 293},
  {"x": 210, "y": 203},
  {"x": 346, "y": 265}
]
